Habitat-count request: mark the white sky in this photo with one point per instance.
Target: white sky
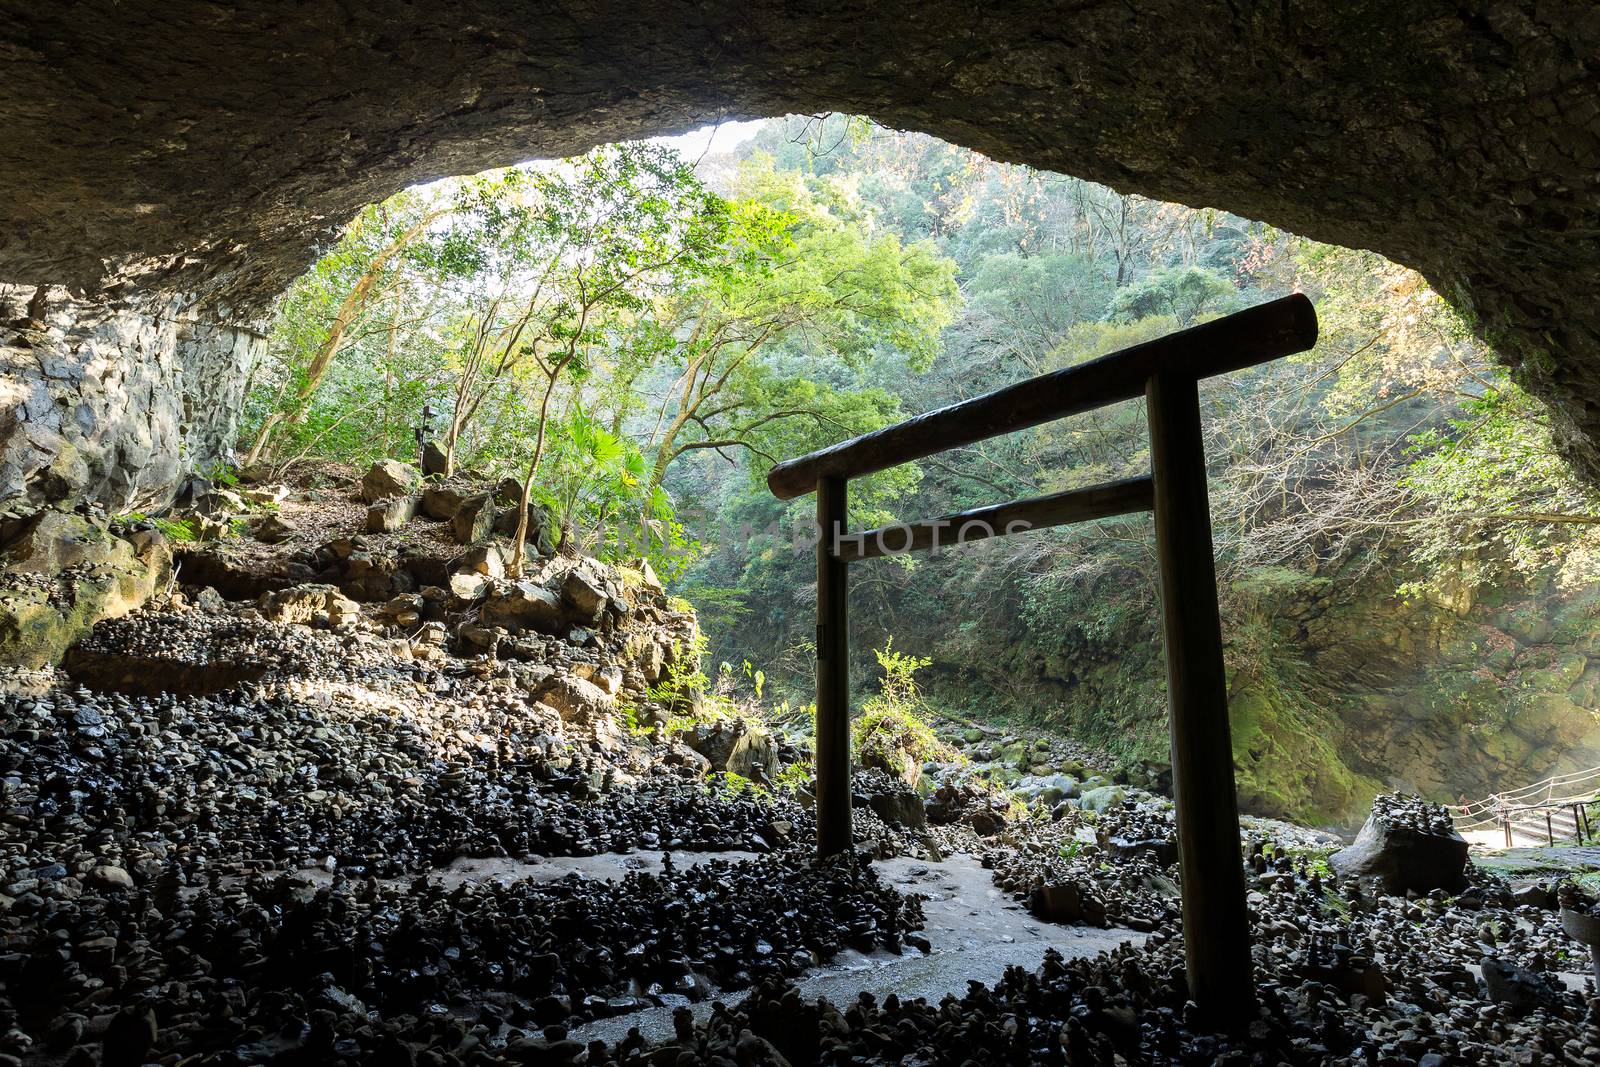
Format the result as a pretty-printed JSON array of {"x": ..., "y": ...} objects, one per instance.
[{"x": 723, "y": 137}]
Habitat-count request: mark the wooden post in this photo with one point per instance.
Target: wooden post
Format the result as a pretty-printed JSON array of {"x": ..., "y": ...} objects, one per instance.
[
  {"x": 834, "y": 833},
  {"x": 1216, "y": 926}
]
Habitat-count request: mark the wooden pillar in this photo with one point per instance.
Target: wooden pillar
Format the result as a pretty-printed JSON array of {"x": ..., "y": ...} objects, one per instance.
[
  {"x": 1216, "y": 928},
  {"x": 833, "y": 674}
]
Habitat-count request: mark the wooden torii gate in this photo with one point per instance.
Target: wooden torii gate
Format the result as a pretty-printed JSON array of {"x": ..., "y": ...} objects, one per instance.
[{"x": 1166, "y": 372}]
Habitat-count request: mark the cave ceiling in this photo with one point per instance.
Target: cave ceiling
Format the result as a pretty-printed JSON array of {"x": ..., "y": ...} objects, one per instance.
[{"x": 214, "y": 147}]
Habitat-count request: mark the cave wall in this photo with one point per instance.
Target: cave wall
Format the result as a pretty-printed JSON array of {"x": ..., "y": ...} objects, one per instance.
[{"x": 114, "y": 401}]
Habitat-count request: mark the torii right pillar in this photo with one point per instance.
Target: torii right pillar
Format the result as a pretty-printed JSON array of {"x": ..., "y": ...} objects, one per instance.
[{"x": 1216, "y": 921}]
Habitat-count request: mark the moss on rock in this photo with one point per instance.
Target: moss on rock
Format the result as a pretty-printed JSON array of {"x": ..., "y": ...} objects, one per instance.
[
  {"x": 1285, "y": 761},
  {"x": 61, "y": 575}
]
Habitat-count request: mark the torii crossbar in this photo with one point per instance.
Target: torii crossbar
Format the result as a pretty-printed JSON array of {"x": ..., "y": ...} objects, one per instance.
[{"x": 1166, "y": 372}]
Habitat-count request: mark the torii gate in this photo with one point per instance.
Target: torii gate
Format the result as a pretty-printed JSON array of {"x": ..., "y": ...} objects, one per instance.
[{"x": 1166, "y": 372}]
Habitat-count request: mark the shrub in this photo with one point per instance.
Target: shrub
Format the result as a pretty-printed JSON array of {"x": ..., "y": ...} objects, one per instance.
[{"x": 890, "y": 734}]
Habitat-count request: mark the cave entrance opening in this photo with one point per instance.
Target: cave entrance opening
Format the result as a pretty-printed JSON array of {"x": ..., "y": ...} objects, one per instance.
[{"x": 1166, "y": 372}]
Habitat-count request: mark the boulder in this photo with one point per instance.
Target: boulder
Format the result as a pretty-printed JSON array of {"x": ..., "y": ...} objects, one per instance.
[
  {"x": 273, "y": 530},
  {"x": 441, "y": 502},
  {"x": 1402, "y": 858},
  {"x": 473, "y": 520},
  {"x": 373, "y": 577},
  {"x": 541, "y": 532},
  {"x": 49, "y": 541},
  {"x": 899, "y": 807},
  {"x": 107, "y": 876},
  {"x": 302, "y": 604},
  {"x": 715, "y": 741},
  {"x": 434, "y": 462},
  {"x": 389, "y": 478},
  {"x": 508, "y": 492},
  {"x": 575, "y": 698},
  {"x": 608, "y": 677},
  {"x": 481, "y": 638},
  {"x": 386, "y": 516},
  {"x": 1067, "y": 903},
  {"x": 986, "y": 822},
  {"x": 1534, "y": 895},
  {"x": 309, "y": 604},
  {"x": 110, "y": 577},
  {"x": 1162, "y": 850},
  {"x": 1519, "y": 990},
  {"x": 1103, "y": 797},
  {"x": 681, "y": 755},
  {"x": 486, "y": 560},
  {"x": 343, "y": 613},
  {"x": 469, "y": 585},
  {"x": 584, "y": 594},
  {"x": 523, "y": 606},
  {"x": 754, "y": 757},
  {"x": 217, "y": 504},
  {"x": 144, "y": 541}
]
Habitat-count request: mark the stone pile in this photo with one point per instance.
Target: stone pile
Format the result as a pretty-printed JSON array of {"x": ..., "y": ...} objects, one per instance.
[
  {"x": 223, "y": 835},
  {"x": 361, "y": 970},
  {"x": 1411, "y": 812},
  {"x": 1065, "y": 875},
  {"x": 339, "y": 773},
  {"x": 158, "y": 803},
  {"x": 1343, "y": 978}
]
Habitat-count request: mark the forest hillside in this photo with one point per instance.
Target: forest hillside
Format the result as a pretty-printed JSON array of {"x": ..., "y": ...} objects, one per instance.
[{"x": 637, "y": 337}]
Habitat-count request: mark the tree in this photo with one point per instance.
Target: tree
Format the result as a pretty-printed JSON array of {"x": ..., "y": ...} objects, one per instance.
[
  {"x": 614, "y": 227},
  {"x": 1185, "y": 293},
  {"x": 349, "y": 283},
  {"x": 803, "y": 283}
]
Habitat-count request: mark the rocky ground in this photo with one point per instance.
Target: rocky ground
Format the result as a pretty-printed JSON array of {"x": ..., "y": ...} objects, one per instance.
[{"x": 227, "y": 814}]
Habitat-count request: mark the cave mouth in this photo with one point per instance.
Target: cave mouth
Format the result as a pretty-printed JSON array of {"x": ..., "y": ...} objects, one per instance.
[
  {"x": 364, "y": 848},
  {"x": 1398, "y": 376}
]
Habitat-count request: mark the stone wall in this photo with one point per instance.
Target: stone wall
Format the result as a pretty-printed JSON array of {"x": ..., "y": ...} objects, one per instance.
[{"x": 115, "y": 401}]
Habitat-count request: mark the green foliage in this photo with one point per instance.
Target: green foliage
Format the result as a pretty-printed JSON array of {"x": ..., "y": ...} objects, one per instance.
[
  {"x": 795, "y": 778},
  {"x": 675, "y": 340},
  {"x": 597, "y": 486},
  {"x": 730, "y": 784},
  {"x": 890, "y": 733},
  {"x": 1499, "y": 489},
  {"x": 1185, "y": 293},
  {"x": 177, "y": 530},
  {"x": 685, "y": 675}
]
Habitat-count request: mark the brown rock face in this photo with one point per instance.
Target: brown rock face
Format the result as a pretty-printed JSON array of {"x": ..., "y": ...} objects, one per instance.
[{"x": 210, "y": 148}]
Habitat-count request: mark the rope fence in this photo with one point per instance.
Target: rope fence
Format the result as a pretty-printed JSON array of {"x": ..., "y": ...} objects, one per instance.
[{"x": 1533, "y": 809}]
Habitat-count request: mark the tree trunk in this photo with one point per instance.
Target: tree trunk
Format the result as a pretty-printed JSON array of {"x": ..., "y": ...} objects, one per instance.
[
  {"x": 349, "y": 310},
  {"x": 520, "y": 538}
]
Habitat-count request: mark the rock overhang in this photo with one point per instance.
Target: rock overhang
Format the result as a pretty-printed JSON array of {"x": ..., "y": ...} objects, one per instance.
[{"x": 213, "y": 148}]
